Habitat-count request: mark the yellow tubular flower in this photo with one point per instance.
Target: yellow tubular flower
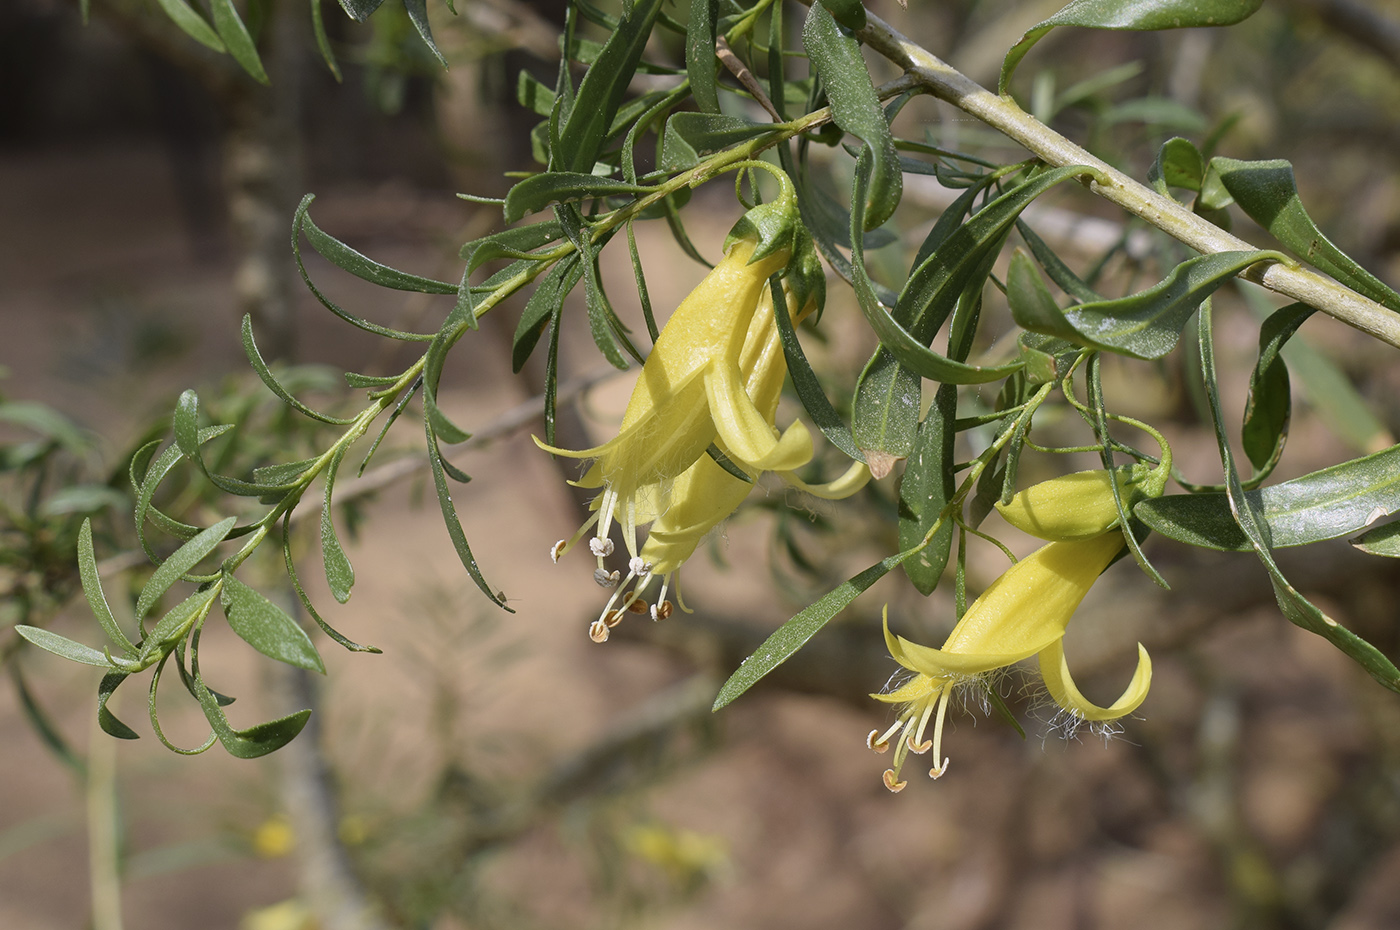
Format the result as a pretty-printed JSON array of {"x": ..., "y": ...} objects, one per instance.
[
  {"x": 706, "y": 494},
  {"x": 690, "y": 393},
  {"x": 1023, "y": 613}
]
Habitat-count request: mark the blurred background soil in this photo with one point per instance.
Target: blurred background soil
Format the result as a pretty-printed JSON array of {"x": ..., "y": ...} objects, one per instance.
[{"x": 499, "y": 770}]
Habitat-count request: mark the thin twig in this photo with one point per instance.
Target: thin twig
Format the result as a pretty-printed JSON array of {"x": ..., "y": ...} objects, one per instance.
[{"x": 741, "y": 71}]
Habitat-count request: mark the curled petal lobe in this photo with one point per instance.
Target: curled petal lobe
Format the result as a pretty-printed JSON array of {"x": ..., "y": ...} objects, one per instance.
[{"x": 1055, "y": 670}]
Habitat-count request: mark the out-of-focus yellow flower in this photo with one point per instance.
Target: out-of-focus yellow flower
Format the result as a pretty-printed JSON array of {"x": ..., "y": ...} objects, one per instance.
[
  {"x": 1023, "y": 613},
  {"x": 274, "y": 838},
  {"x": 706, "y": 494}
]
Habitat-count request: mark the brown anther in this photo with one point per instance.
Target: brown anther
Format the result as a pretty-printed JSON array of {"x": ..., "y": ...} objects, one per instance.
[
  {"x": 890, "y": 783},
  {"x": 661, "y": 611},
  {"x": 613, "y": 618},
  {"x": 878, "y": 746},
  {"x": 937, "y": 771},
  {"x": 638, "y": 606},
  {"x": 557, "y": 550},
  {"x": 598, "y": 632},
  {"x": 919, "y": 748}
]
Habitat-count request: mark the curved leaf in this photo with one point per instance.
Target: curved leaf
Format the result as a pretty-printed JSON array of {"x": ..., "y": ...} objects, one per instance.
[
  {"x": 194, "y": 25},
  {"x": 701, "y": 65},
  {"x": 539, "y": 191},
  {"x": 1130, "y": 15},
  {"x": 235, "y": 35},
  {"x": 92, "y": 590},
  {"x": 925, "y": 489},
  {"x": 855, "y": 108},
  {"x": 1268, "y": 192},
  {"x": 1296, "y": 608},
  {"x": 1327, "y": 504},
  {"x": 62, "y": 646},
  {"x": 1270, "y": 403},
  {"x": 1383, "y": 540},
  {"x": 1146, "y": 325}
]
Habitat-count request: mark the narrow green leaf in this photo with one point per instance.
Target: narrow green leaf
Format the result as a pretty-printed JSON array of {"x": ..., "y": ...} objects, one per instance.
[
  {"x": 340, "y": 575},
  {"x": 640, "y": 279},
  {"x": 1294, "y": 606},
  {"x": 885, "y": 412},
  {"x": 511, "y": 243},
  {"x": 155, "y": 473},
  {"x": 793, "y": 634},
  {"x": 235, "y": 35},
  {"x": 690, "y": 136},
  {"x": 194, "y": 25},
  {"x": 92, "y": 590},
  {"x": 105, "y": 718},
  {"x": 62, "y": 646},
  {"x": 454, "y": 524},
  {"x": 323, "y": 41},
  {"x": 250, "y": 349},
  {"x": 1146, "y": 325},
  {"x": 541, "y": 307},
  {"x": 533, "y": 94},
  {"x": 809, "y": 387},
  {"x": 856, "y": 109},
  {"x": 1065, "y": 279},
  {"x": 356, "y": 380},
  {"x": 1383, "y": 540},
  {"x": 600, "y": 93},
  {"x": 181, "y": 561},
  {"x": 1268, "y": 192},
  {"x": 701, "y": 65},
  {"x": 925, "y": 490},
  {"x": 1105, "y": 440},
  {"x": 539, "y": 191},
  {"x": 295, "y": 579},
  {"x": 255, "y": 741},
  {"x": 1141, "y": 15},
  {"x": 1270, "y": 403},
  {"x": 1327, "y": 504},
  {"x": 356, "y": 262},
  {"x": 418, "y": 15},
  {"x": 267, "y": 628}
]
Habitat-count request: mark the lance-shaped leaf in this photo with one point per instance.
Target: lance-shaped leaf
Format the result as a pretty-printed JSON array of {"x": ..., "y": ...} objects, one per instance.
[
  {"x": 62, "y": 646},
  {"x": 172, "y": 628},
  {"x": 418, "y": 14},
  {"x": 235, "y": 35},
  {"x": 539, "y": 191},
  {"x": 849, "y": 13},
  {"x": 92, "y": 590},
  {"x": 540, "y": 308},
  {"x": 856, "y": 109},
  {"x": 1145, "y": 325},
  {"x": 340, "y": 574},
  {"x": 358, "y": 264},
  {"x": 925, "y": 489},
  {"x": 701, "y": 65},
  {"x": 267, "y": 627},
  {"x": 1270, "y": 404},
  {"x": 105, "y": 718},
  {"x": 181, "y": 561},
  {"x": 194, "y": 25},
  {"x": 1247, "y": 514},
  {"x": 1336, "y": 501},
  {"x": 793, "y": 634},
  {"x": 808, "y": 385},
  {"x": 1140, "y": 15},
  {"x": 1268, "y": 192},
  {"x": 581, "y": 134}
]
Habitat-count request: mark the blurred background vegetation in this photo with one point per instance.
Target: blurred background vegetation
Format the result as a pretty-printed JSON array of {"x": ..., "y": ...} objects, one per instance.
[{"x": 500, "y": 771}]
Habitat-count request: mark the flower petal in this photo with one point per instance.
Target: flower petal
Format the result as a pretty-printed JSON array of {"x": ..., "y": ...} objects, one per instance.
[
  {"x": 944, "y": 662},
  {"x": 746, "y": 432},
  {"x": 1055, "y": 670},
  {"x": 855, "y": 478}
]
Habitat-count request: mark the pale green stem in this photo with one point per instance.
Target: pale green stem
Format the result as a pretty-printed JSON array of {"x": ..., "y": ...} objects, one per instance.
[
  {"x": 103, "y": 848},
  {"x": 1003, "y": 115}
]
